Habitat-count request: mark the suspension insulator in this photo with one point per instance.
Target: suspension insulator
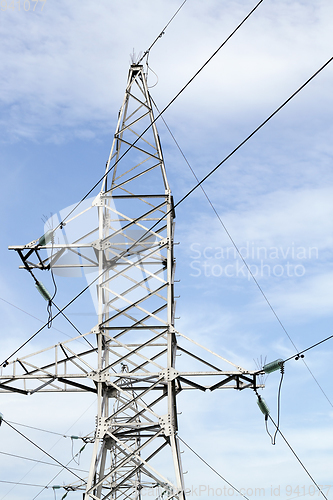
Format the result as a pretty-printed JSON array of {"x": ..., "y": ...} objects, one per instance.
[
  {"x": 273, "y": 366},
  {"x": 1, "y": 418},
  {"x": 46, "y": 238},
  {"x": 43, "y": 291},
  {"x": 263, "y": 406}
]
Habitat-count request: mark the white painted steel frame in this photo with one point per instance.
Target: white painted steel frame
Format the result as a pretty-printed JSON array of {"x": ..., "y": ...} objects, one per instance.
[{"x": 135, "y": 380}]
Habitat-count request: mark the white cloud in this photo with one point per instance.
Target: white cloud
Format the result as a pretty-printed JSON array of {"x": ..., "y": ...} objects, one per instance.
[{"x": 67, "y": 65}]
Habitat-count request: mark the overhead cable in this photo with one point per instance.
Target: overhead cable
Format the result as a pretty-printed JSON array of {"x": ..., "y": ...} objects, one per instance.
[
  {"x": 37, "y": 461},
  {"x": 50, "y": 299},
  {"x": 299, "y": 354},
  {"x": 164, "y": 109},
  {"x": 23, "y": 484},
  {"x": 41, "y": 449},
  {"x": 298, "y": 459},
  {"x": 32, "y": 316},
  {"x": 183, "y": 199},
  {"x": 212, "y": 468},
  {"x": 29, "y": 471},
  {"x": 308, "y": 348},
  {"x": 4, "y": 363},
  {"x": 44, "y": 430},
  {"x": 227, "y": 158},
  {"x": 161, "y": 33},
  {"x": 54, "y": 477}
]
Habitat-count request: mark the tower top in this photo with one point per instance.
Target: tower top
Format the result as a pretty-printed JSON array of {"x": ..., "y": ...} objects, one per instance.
[{"x": 135, "y": 165}]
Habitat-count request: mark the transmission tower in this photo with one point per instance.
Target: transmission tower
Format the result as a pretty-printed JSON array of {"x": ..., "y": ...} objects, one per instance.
[{"x": 123, "y": 241}]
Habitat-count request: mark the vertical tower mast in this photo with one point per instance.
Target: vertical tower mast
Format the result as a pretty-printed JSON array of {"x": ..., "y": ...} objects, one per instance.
[
  {"x": 125, "y": 239},
  {"x": 136, "y": 376}
]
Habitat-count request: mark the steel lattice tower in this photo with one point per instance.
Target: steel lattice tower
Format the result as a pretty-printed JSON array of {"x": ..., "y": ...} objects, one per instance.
[{"x": 129, "y": 253}]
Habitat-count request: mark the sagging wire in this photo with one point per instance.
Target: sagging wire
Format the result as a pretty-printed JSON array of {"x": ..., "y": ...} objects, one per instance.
[
  {"x": 44, "y": 430},
  {"x": 299, "y": 460},
  {"x": 49, "y": 306},
  {"x": 47, "y": 296},
  {"x": 278, "y": 404},
  {"x": 78, "y": 454},
  {"x": 148, "y": 67},
  {"x": 269, "y": 368},
  {"x": 44, "y": 240}
]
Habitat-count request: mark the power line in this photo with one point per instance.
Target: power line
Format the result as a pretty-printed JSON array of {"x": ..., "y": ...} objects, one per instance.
[
  {"x": 252, "y": 134},
  {"x": 51, "y": 301},
  {"x": 23, "y": 484},
  {"x": 4, "y": 363},
  {"x": 37, "y": 461},
  {"x": 109, "y": 169},
  {"x": 44, "y": 430},
  {"x": 296, "y": 456},
  {"x": 71, "y": 323},
  {"x": 161, "y": 33},
  {"x": 308, "y": 348},
  {"x": 2, "y": 498},
  {"x": 54, "y": 477},
  {"x": 214, "y": 470},
  {"x": 241, "y": 256},
  {"x": 32, "y": 316},
  {"x": 164, "y": 109},
  {"x": 228, "y": 157},
  {"x": 189, "y": 193},
  {"x": 41, "y": 321},
  {"x": 41, "y": 449}
]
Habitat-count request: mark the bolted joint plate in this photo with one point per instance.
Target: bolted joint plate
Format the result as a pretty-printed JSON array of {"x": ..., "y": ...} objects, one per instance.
[
  {"x": 166, "y": 425},
  {"x": 103, "y": 245},
  {"x": 163, "y": 242},
  {"x": 99, "y": 201},
  {"x": 102, "y": 427},
  {"x": 99, "y": 376},
  {"x": 169, "y": 374},
  {"x": 31, "y": 244}
]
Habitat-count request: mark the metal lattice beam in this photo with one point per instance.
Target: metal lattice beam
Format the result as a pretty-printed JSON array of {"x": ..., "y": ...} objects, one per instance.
[{"x": 128, "y": 249}]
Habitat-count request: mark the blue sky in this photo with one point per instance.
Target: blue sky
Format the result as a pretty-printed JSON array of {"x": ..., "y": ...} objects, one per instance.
[{"x": 63, "y": 79}]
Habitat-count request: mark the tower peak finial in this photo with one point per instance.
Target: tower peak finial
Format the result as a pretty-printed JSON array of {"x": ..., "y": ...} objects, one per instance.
[{"x": 135, "y": 58}]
